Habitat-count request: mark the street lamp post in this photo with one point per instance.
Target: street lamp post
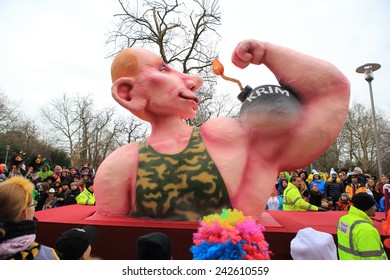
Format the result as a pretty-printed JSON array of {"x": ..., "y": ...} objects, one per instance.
[
  {"x": 6, "y": 153},
  {"x": 368, "y": 71}
]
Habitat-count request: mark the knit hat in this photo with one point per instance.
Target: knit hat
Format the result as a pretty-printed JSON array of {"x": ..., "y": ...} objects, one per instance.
[
  {"x": 88, "y": 184},
  {"x": 154, "y": 246},
  {"x": 363, "y": 201},
  {"x": 65, "y": 182},
  {"x": 73, "y": 243},
  {"x": 310, "y": 244}
]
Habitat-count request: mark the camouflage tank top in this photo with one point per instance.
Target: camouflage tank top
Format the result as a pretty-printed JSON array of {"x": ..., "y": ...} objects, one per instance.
[{"x": 181, "y": 187}]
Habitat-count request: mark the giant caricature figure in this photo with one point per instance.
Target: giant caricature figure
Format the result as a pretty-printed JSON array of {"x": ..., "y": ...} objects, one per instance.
[{"x": 183, "y": 173}]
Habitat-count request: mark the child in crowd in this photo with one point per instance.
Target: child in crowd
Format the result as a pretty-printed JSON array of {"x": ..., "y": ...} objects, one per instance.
[
  {"x": 325, "y": 204},
  {"x": 51, "y": 200},
  {"x": 344, "y": 203},
  {"x": 62, "y": 195},
  {"x": 43, "y": 189},
  {"x": 330, "y": 201},
  {"x": 70, "y": 198},
  {"x": 275, "y": 202}
]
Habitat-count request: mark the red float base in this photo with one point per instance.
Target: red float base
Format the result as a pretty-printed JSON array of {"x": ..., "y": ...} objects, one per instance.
[{"x": 118, "y": 235}]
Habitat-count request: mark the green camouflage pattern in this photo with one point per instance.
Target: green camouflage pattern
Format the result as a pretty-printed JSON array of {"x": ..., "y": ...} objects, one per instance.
[{"x": 182, "y": 187}]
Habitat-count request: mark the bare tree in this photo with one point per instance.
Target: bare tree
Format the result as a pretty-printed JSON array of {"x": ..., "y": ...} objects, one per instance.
[
  {"x": 9, "y": 112},
  {"x": 86, "y": 134},
  {"x": 184, "y": 34},
  {"x": 63, "y": 116},
  {"x": 330, "y": 159},
  {"x": 133, "y": 130},
  {"x": 356, "y": 146},
  {"x": 385, "y": 149},
  {"x": 102, "y": 136},
  {"x": 31, "y": 134}
]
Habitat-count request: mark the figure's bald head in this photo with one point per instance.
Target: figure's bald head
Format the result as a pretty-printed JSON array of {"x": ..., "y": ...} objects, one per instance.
[
  {"x": 125, "y": 64},
  {"x": 129, "y": 62}
]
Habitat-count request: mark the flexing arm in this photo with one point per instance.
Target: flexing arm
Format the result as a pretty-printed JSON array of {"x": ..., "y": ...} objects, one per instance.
[{"x": 321, "y": 88}]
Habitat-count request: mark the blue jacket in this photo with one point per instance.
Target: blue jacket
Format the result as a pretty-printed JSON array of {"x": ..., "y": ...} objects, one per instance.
[
  {"x": 382, "y": 205},
  {"x": 320, "y": 183}
]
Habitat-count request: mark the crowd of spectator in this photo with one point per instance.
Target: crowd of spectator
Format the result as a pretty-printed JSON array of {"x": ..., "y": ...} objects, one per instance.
[
  {"x": 55, "y": 187},
  {"x": 332, "y": 191}
]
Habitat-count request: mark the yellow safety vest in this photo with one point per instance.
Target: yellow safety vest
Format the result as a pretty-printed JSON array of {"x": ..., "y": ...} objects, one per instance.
[
  {"x": 293, "y": 201},
  {"x": 357, "y": 237}
]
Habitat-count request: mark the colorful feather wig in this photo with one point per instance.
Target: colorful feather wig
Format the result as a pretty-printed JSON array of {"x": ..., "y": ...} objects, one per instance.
[{"x": 229, "y": 236}]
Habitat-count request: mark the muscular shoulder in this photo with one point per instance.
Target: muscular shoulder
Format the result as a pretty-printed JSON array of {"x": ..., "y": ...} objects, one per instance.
[
  {"x": 120, "y": 161},
  {"x": 126, "y": 150},
  {"x": 223, "y": 130}
]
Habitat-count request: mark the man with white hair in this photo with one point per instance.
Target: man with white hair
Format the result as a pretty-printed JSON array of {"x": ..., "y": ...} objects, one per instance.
[{"x": 361, "y": 178}]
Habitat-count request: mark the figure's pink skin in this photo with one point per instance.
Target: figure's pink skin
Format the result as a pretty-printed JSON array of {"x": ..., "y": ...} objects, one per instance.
[{"x": 248, "y": 158}]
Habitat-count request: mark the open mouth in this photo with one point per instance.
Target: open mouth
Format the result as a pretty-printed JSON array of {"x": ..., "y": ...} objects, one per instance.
[{"x": 189, "y": 97}]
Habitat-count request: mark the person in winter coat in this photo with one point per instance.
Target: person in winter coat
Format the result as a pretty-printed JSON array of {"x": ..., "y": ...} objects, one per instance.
[
  {"x": 373, "y": 190},
  {"x": 355, "y": 186},
  {"x": 45, "y": 172},
  {"x": 381, "y": 182},
  {"x": 86, "y": 197},
  {"x": 70, "y": 198},
  {"x": 51, "y": 200},
  {"x": 382, "y": 202},
  {"x": 283, "y": 182},
  {"x": 63, "y": 194},
  {"x": 3, "y": 176},
  {"x": 303, "y": 174},
  {"x": 315, "y": 195},
  {"x": 333, "y": 187},
  {"x": 320, "y": 183},
  {"x": 357, "y": 237},
  {"x": 17, "y": 228},
  {"x": 292, "y": 198},
  {"x": 344, "y": 203},
  {"x": 275, "y": 202}
]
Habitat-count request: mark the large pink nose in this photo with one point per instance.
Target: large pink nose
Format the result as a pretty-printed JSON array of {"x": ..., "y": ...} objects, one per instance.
[{"x": 193, "y": 82}]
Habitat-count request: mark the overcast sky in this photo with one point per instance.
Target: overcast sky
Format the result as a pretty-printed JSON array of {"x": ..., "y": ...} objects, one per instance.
[{"x": 51, "y": 47}]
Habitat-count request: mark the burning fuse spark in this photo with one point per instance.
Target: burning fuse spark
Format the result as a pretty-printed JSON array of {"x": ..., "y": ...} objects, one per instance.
[{"x": 218, "y": 70}]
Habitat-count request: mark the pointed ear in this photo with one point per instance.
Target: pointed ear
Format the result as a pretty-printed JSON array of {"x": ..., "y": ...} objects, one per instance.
[{"x": 124, "y": 93}]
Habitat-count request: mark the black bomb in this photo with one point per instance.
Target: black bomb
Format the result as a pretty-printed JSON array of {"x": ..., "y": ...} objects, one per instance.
[{"x": 269, "y": 107}]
